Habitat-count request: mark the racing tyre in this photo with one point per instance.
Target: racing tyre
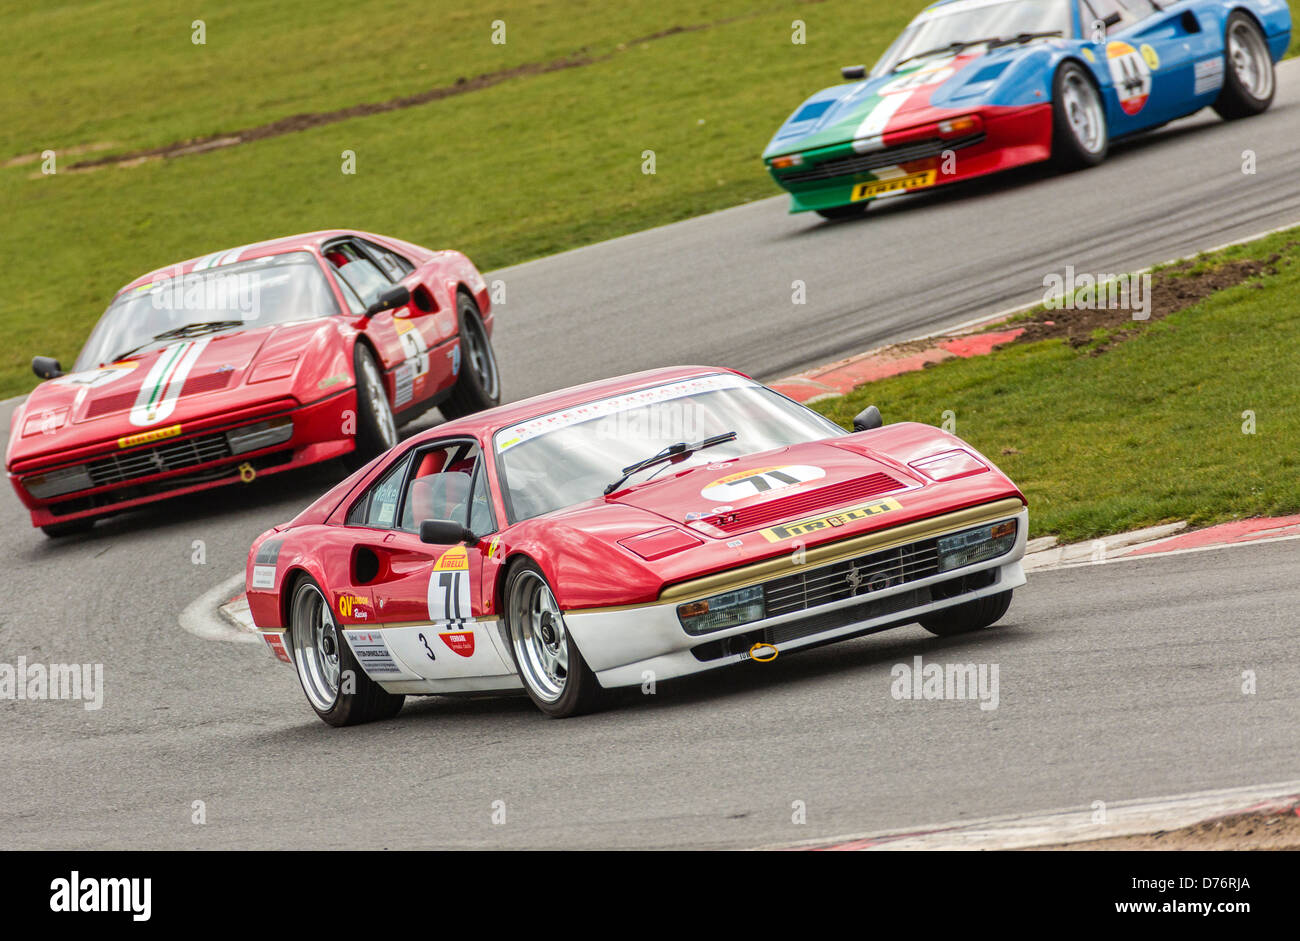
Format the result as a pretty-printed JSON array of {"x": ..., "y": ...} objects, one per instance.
[
  {"x": 557, "y": 679},
  {"x": 1248, "y": 78},
  {"x": 1080, "y": 137},
  {"x": 971, "y": 616},
  {"x": 376, "y": 428},
  {"x": 479, "y": 384},
  {"x": 851, "y": 211},
  {"x": 336, "y": 686},
  {"x": 67, "y": 528}
]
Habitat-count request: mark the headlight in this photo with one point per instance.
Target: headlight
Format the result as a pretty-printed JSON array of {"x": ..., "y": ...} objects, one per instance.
[
  {"x": 791, "y": 160},
  {"x": 976, "y": 545},
  {"x": 56, "y": 483},
  {"x": 262, "y": 435},
  {"x": 45, "y": 422},
  {"x": 722, "y": 611}
]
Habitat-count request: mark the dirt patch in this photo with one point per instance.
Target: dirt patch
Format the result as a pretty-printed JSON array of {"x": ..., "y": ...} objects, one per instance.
[
  {"x": 1276, "y": 830},
  {"x": 1172, "y": 289},
  {"x": 462, "y": 86}
]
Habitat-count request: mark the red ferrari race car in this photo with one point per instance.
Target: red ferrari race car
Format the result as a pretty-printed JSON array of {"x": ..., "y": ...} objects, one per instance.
[
  {"x": 623, "y": 532},
  {"x": 248, "y": 362}
]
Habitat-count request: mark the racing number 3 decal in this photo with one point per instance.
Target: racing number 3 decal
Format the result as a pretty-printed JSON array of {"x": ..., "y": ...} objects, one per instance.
[{"x": 449, "y": 601}]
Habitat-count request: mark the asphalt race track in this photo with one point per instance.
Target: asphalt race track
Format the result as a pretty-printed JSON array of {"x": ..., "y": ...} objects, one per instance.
[
  {"x": 1116, "y": 681},
  {"x": 717, "y": 289}
]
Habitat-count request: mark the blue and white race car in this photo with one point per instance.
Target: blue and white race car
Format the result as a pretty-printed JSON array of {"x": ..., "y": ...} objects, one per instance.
[{"x": 973, "y": 87}]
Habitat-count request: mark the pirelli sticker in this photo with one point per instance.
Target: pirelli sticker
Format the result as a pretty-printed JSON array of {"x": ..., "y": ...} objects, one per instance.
[
  {"x": 149, "y": 437},
  {"x": 903, "y": 184},
  {"x": 819, "y": 524}
]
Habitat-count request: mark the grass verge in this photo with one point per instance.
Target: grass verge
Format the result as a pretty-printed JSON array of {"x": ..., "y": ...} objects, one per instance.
[{"x": 1188, "y": 417}]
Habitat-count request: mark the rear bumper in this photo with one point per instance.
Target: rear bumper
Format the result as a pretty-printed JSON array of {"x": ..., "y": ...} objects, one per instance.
[
  {"x": 626, "y": 646},
  {"x": 1012, "y": 137},
  {"x": 317, "y": 436}
]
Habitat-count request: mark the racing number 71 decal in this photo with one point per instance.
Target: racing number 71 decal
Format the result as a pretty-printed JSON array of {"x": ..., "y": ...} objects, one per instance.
[{"x": 449, "y": 601}]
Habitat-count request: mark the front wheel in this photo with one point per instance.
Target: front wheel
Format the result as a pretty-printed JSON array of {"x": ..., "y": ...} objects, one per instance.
[
  {"x": 478, "y": 385},
  {"x": 971, "y": 616},
  {"x": 557, "y": 679},
  {"x": 1080, "y": 136},
  {"x": 337, "y": 688},
  {"x": 376, "y": 429},
  {"x": 1249, "y": 81}
]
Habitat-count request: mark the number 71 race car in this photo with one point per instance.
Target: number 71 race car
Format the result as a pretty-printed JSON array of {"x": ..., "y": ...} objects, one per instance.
[
  {"x": 248, "y": 362},
  {"x": 645, "y": 527},
  {"x": 973, "y": 87}
]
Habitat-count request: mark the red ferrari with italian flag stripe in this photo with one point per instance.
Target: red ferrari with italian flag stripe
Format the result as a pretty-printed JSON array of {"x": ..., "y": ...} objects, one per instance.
[
  {"x": 252, "y": 361},
  {"x": 972, "y": 87}
]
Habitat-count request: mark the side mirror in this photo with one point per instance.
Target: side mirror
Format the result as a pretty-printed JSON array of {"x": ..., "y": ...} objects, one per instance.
[
  {"x": 854, "y": 72},
  {"x": 867, "y": 419},
  {"x": 445, "y": 533},
  {"x": 398, "y": 296},
  {"x": 47, "y": 367}
]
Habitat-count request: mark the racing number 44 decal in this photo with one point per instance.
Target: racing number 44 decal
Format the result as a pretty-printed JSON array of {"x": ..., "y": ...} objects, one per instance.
[
  {"x": 449, "y": 601},
  {"x": 1130, "y": 70}
]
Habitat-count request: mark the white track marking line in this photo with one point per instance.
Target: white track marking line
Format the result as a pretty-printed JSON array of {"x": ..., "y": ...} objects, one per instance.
[{"x": 202, "y": 618}]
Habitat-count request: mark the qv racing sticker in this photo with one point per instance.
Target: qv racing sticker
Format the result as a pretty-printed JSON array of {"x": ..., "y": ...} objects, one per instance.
[
  {"x": 758, "y": 480},
  {"x": 1130, "y": 70},
  {"x": 162, "y": 385}
]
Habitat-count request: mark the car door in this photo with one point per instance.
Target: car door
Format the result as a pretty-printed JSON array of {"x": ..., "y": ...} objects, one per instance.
[
  {"x": 1147, "y": 56},
  {"x": 430, "y": 601},
  {"x": 362, "y": 281},
  {"x": 427, "y": 332}
]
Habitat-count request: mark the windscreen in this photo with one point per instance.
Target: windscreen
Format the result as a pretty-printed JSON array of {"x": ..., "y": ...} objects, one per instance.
[
  {"x": 568, "y": 457},
  {"x": 274, "y": 289}
]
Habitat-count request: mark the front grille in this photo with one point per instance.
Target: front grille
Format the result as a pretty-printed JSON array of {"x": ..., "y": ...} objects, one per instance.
[
  {"x": 144, "y": 462},
  {"x": 801, "y": 504},
  {"x": 865, "y": 610},
  {"x": 889, "y": 157},
  {"x": 851, "y": 577},
  {"x": 153, "y": 488}
]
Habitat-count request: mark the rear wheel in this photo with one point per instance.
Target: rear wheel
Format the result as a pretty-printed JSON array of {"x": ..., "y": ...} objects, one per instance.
[
  {"x": 1249, "y": 81},
  {"x": 67, "y": 528},
  {"x": 376, "y": 430},
  {"x": 557, "y": 679},
  {"x": 971, "y": 616},
  {"x": 336, "y": 686},
  {"x": 851, "y": 211},
  {"x": 1080, "y": 137},
  {"x": 478, "y": 386}
]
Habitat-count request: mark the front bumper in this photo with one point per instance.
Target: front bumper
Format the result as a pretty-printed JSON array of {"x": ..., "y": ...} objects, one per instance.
[
  {"x": 1010, "y": 138},
  {"x": 317, "y": 436},
  {"x": 626, "y": 646}
]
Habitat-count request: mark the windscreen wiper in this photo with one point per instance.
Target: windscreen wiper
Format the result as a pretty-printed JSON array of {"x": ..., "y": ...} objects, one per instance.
[
  {"x": 1022, "y": 38},
  {"x": 952, "y": 47},
  {"x": 673, "y": 452},
  {"x": 179, "y": 333}
]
